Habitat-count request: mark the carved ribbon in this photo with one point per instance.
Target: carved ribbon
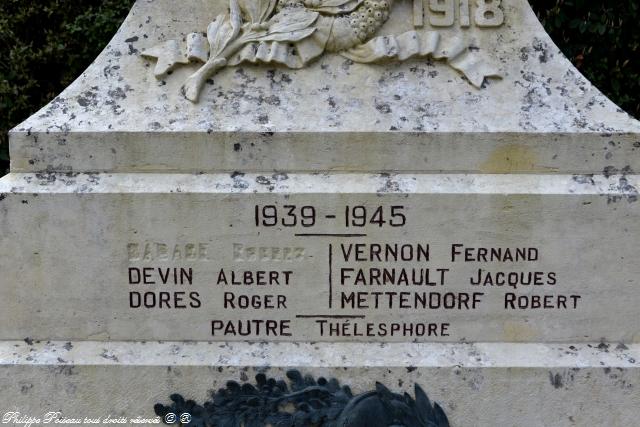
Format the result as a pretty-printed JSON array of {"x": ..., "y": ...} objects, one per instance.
[{"x": 423, "y": 44}]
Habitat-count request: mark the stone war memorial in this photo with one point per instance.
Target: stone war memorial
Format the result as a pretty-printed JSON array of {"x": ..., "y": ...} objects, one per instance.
[{"x": 340, "y": 213}]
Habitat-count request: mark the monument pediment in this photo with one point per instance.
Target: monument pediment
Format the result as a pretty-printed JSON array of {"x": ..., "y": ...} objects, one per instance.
[{"x": 329, "y": 102}]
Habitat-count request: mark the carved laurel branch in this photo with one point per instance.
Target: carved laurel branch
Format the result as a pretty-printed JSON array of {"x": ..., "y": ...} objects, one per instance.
[
  {"x": 261, "y": 31},
  {"x": 307, "y": 402}
]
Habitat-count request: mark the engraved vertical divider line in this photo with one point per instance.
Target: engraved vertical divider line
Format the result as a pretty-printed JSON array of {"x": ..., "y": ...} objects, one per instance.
[{"x": 330, "y": 275}]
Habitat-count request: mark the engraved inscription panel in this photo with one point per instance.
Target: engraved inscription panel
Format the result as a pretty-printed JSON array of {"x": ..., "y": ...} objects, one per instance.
[{"x": 365, "y": 267}]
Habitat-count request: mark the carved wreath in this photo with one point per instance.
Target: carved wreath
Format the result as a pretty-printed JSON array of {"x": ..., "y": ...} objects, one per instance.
[
  {"x": 306, "y": 402},
  {"x": 295, "y": 32}
]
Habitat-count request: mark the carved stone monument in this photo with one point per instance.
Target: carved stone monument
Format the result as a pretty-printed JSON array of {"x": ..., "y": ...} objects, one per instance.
[{"x": 324, "y": 195}]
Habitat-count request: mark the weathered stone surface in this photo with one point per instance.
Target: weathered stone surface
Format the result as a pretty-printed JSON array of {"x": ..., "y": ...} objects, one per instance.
[{"x": 476, "y": 384}]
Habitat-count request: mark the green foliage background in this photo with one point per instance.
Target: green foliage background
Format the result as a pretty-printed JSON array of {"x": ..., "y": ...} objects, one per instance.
[
  {"x": 602, "y": 38},
  {"x": 46, "y": 44}
]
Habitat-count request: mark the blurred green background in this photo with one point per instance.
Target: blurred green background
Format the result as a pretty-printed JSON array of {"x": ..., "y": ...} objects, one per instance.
[{"x": 46, "y": 44}]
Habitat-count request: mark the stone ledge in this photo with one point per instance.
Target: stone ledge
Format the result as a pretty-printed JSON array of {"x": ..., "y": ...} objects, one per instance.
[
  {"x": 507, "y": 385},
  {"x": 237, "y": 354},
  {"x": 435, "y": 152},
  {"x": 329, "y": 183}
]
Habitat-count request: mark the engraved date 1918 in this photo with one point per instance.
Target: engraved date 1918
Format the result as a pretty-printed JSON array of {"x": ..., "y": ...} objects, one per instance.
[{"x": 308, "y": 216}]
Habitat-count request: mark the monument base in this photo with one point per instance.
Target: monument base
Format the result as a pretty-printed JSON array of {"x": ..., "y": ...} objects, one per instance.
[{"x": 476, "y": 384}]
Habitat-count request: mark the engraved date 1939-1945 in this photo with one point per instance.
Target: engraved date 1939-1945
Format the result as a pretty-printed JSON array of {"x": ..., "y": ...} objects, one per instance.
[{"x": 309, "y": 216}]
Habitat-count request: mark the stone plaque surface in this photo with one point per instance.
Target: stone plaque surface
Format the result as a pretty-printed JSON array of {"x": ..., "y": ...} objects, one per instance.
[{"x": 292, "y": 257}]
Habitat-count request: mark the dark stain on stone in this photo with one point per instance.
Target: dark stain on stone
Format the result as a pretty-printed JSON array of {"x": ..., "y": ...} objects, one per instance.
[
  {"x": 65, "y": 370},
  {"x": 84, "y": 102},
  {"x": 390, "y": 185},
  {"x": 627, "y": 190},
  {"x": 89, "y": 98},
  {"x": 106, "y": 355},
  {"x": 630, "y": 192},
  {"x": 117, "y": 93},
  {"x": 109, "y": 71},
  {"x": 68, "y": 346},
  {"x": 238, "y": 182},
  {"x": 93, "y": 178},
  {"x": 272, "y": 100},
  {"x": 584, "y": 179},
  {"x": 384, "y": 108},
  {"x": 263, "y": 180},
  {"x": 556, "y": 380},
  {"x": 29, "y": 341},
  {"x": 237, "y": 147},
  {"x": 284, "y": 79},
  {"x": 411, "y": 369},
  {"x": 240, "y": 72},
  {"x": 524, "y": 54}
]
